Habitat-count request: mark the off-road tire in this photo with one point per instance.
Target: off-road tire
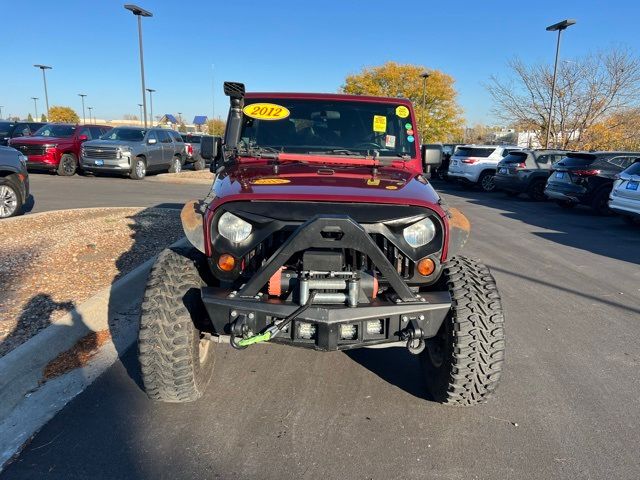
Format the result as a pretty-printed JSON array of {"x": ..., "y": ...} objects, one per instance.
[
  {"x": 486, "y": 181},
  {"x": 471, "y": 338},
  {"x": 600, "y": 202},
  {"x": 535, "y": 191},
  {"x": 176, "y": 165},
  {"x": 137, "y": 173},
  {"x": 176, "y": 358},
  {"x": 68, "y": 165},
  {"x": 199, "y": 164}
]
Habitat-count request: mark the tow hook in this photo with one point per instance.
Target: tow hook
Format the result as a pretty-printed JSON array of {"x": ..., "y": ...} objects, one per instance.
[{"x": 413, "y": 335}]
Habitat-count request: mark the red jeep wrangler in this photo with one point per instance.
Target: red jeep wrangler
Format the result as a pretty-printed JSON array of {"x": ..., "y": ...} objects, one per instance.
[
  {"x": 56, "y": 146},
  {"x": 321, "y": 231}
]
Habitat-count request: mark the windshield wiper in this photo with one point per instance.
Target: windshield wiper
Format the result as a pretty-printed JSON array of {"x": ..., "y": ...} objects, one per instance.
[{"x": 338, "y": 151}]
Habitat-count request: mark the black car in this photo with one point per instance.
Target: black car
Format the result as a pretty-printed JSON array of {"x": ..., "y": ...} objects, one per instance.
[
  {"x": 527, "y": 172},
  {"x": 587, "y": 178},
  {"x": 9, "y": 130},
  {"x": 14, "y": 182},
  {"x": 447, "y": 152}
]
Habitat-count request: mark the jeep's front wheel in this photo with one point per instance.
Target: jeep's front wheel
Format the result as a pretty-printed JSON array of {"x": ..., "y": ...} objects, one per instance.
[
  {"x": 176, "y": 358},
  {"x": 463, "y": 362}
]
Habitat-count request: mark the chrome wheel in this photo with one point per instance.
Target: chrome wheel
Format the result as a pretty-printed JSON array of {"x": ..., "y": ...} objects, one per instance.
[
  {"x": 8, "y": 201},
  {"x": 177, "y": 165},
  {"x": 141, "y": 170}
]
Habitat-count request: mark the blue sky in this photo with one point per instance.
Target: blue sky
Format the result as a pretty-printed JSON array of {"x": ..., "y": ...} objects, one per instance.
[{"x": 280, "y": 45}]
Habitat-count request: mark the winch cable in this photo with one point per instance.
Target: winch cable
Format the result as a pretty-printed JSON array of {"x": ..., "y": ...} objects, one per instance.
[{"x": 276, "y": 328}]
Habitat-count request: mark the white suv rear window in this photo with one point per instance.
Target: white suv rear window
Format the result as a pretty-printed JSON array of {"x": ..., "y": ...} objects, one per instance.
[{"x": 474, "y": 152}]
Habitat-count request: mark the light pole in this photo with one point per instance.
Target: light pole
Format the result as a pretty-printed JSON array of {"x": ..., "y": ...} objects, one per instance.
[
  {"x": 559, "y": 27},
  {"x": 424, "y": 76},
  {"x": 150, "y": 90},
  {"x": 35, "y": 106},
  {"x": 141, "y": 12},
  {"x": 1, "y": 107},
  {"x": 44, "y": 78},
  {"x": 90, "y": 108},
  {"x": 141, "y": 117},
  {"x": 84, "y": 117}
]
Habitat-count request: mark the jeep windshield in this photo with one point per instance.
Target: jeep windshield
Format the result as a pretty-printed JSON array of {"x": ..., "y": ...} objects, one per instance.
[
  {"x": 58, "y": 131},
  {"x": 125, "y": 134},
  {"x": 327, "y": 127}
]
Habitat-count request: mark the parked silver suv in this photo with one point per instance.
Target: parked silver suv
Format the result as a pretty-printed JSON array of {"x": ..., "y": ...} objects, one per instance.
[{"x": 134, "y": 151}]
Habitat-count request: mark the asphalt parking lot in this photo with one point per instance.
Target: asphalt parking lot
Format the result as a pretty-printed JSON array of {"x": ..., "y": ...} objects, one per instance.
[
  {"x": 568, "y": 406},
  {"x": 51, "y": 192}
]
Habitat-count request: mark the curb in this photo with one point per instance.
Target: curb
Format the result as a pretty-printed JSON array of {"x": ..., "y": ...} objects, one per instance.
[
  {"x": 25, "y": 405},
  {"x": 161, "y": 178}
]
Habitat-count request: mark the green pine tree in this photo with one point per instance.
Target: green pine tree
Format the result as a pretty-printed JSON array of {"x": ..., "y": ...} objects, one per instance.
[{"x": 29, "y": 118}]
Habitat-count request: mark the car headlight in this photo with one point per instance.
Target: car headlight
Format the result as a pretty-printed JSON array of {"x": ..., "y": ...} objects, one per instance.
[
  {"x": 233, "y": 228},
  {"x": 420, "y": 233}
]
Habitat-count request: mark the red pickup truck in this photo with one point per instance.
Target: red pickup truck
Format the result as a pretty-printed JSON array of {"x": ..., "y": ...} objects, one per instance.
[{"x": 56, "y": 146}]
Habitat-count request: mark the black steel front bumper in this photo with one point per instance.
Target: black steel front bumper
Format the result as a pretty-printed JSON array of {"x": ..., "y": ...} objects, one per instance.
[
  {"x": 401, "y": 310},
  {"x": 427, "y": 313}
]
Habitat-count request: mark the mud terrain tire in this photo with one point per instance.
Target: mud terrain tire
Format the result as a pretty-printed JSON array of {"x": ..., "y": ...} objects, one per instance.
[
  {"x": 463, "y": 363},
  {"x": 176, "y": 359}
]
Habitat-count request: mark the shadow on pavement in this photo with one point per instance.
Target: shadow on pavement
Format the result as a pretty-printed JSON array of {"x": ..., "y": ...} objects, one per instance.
[{"x": 579, "y": 228}]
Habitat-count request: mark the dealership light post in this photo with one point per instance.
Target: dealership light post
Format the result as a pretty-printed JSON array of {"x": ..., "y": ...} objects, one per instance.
[
  {"x": 150, "y": 90},
  {"x": 1, "y": 107},
  {"x": 44, "y": 78},
  {"x": 141, "y": 117},
  {"x": 35, "y": 107},
  {"x": 424, "y": 76},
  {"x": 559, "y": 27},
  {"x": 141, "y": 12},
  {"x": 84, "y": 117},
  {"x": 90, "y": 108}
]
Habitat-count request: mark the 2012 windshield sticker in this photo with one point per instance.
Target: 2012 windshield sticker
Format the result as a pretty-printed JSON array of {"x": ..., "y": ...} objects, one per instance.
[
  {"x": 379, "y": 123},
  {"x": 266, "y": 111}
]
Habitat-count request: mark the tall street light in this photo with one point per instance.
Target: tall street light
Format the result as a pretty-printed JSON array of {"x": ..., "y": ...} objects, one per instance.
[
  {"x": 141, "y": 117},
  {"x": 1, "y": 107},
  {"x": 141, "y": 12},
  {"x": 35, "y": 106},
  {"x": 84, "y": 117},
  {"x": 90, "y": 108},
  {"x": 423, "y": 127},
  {"x": 559, "y": 27},
  {"x": 44, "y": 78},
  {"x": 150, "y": 90}
]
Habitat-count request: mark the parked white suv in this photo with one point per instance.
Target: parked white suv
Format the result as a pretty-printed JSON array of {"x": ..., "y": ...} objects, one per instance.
[
  {"x": 625, "y": 194},
  {"x": 476, "y": 164}
]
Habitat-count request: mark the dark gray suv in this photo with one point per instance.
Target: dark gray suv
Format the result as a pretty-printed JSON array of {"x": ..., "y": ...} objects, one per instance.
[
  {"x": 134, "y": 151},
  {"x": 527, "y": 172},
  {"x": 14, "y": 182}
]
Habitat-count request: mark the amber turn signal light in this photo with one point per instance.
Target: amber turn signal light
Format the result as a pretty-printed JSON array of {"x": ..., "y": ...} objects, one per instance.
[
  {"x": 426, "y": 266},
  {"x": 226, "y": 262}
]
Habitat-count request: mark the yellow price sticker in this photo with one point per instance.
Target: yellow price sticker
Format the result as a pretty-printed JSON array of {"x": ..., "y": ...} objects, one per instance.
[
  {"x": 266, "y": 111},
  {"x": 271, "y": 181},
  {"x": 402, "y": 111},
  {"x": 373, "y": 182},
  {"x": 379, "y": 123}
]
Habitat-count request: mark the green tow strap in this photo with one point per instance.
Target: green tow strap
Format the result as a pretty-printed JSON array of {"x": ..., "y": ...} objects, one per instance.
[{"x": 261, "y": 337}]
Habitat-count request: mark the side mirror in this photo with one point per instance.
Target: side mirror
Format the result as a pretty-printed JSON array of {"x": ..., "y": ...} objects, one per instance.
[
  {"x": 431, "y": 157},
  {"x": 152, "y": 141},
  {"x": 83, "y": 138},
  {"x": 211, "y": 150}
]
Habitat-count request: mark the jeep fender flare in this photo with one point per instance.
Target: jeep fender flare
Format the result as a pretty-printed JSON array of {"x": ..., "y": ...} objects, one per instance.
[
  {"x": 192, "y": 224},
  {"x": 459, "y": 230}
]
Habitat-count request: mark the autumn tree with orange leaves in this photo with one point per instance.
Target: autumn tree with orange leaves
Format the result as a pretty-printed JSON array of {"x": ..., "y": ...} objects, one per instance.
[{"x": 442, "y": 116}]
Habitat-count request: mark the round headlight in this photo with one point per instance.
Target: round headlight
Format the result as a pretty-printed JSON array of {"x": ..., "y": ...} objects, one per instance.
[
  {"x": 233, "y": 228},
  {"x": 420, "y": 233}
]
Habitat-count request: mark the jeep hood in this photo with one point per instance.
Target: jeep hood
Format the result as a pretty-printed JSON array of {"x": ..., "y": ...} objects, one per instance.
[{"x": 331, "y": 183}]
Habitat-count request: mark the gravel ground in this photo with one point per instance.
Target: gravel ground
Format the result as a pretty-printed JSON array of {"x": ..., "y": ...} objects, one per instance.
[
  {"x": 50, "y": 263},
  {"x": 186, "y": 176}
]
